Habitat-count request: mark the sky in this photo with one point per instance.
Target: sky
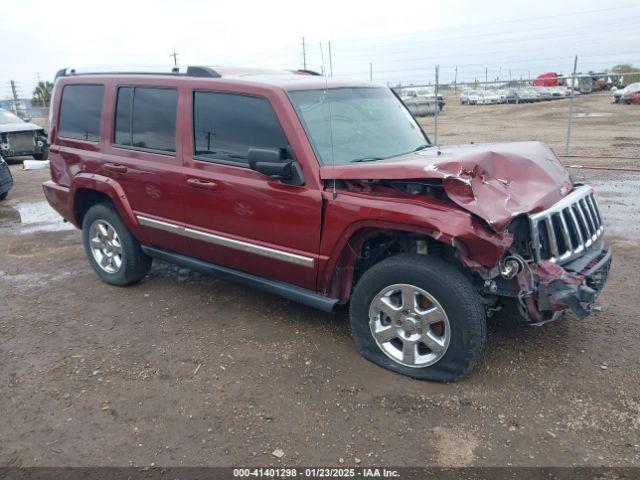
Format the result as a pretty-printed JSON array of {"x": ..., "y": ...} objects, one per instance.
[{"x": 393, "y": 42}]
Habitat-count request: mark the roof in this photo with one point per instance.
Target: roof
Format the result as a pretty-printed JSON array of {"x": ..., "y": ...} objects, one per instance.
[{"x": 285, "y": 79}]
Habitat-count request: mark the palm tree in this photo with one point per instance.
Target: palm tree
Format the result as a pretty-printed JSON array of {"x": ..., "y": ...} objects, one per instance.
[{"x": 42, "y": 94}]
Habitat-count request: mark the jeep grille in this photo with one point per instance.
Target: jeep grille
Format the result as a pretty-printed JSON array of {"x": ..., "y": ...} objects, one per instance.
[{"x": 564, "y": 231}]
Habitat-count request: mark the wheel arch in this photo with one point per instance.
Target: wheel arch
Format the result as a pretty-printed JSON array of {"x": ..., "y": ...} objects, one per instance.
[
  {"x": 89, "y": 189},
  {"x": 365, "y": 244}
]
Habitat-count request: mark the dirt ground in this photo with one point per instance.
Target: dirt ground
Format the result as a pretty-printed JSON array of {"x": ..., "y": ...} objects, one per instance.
[{"x": 183, "y": 369}]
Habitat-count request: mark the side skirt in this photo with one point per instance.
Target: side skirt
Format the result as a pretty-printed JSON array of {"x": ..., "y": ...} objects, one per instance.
[{"x": 282, "y": 289}]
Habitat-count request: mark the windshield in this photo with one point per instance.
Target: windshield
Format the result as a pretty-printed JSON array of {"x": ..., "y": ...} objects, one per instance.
[
  {"x": 8, "y": 117},
  {"x": 361, "y": 123}
]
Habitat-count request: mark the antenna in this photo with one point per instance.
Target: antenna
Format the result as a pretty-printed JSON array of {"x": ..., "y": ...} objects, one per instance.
[{"x": 326, "y": 88}]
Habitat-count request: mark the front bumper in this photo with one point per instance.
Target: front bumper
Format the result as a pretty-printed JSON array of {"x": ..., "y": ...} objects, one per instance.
[{"x": 547, "y": 288}]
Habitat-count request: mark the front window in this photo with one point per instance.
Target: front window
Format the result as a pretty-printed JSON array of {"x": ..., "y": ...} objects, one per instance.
[{"x": 357, "y": 124}]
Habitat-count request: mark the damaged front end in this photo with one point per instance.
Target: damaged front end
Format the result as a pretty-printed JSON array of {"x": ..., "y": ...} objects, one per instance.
[
  {"x": 546, "y": 231},
  {"x": 558, "y": 260}
]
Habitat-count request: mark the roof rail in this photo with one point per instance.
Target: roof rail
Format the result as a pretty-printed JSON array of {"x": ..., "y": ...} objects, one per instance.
[
  {"x": 309, "y": 72},
  {"x": 204, "y": 72}
]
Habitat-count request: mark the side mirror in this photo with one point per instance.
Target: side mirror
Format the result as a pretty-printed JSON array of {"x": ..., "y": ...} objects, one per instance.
[{"x": 274, "y": 164}]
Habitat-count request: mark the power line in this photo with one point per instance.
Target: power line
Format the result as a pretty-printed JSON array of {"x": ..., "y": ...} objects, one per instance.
[{"x": 503, "y": 22}]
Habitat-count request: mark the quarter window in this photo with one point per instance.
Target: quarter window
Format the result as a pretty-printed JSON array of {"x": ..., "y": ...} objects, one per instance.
[
  {"x": 80, "y": 112},
  {"x": 227, "y": 125},
  {"x": 146, "y": 118}
]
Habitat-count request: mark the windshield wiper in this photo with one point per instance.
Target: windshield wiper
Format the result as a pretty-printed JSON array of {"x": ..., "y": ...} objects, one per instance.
[
  {"x": 366, "y": 159},
  {"x": 422, "y": 147}
]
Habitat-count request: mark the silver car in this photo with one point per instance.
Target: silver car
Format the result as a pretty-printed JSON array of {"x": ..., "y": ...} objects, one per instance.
[{"x": 18, "y": 138}]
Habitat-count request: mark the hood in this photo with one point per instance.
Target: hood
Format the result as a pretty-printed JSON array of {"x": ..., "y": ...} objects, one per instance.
[
  {"x": 18, "y": 127},
  {"x": 496, "y": 182}
]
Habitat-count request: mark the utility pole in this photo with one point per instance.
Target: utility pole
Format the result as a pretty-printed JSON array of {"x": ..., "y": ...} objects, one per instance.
[
  {"x": 435, "y": 127},
  {"x": 175, "y": 58},
  {"x": 330, "y": 62},
  {"x": 14, "y": 94},
  {"x": 304, "y": 55},
  {"x": 371, "y": 72},
  {"x": 486, "y": 77},
  {"x": 455, "y": 81},
  {"x": 573, "y": 84}
]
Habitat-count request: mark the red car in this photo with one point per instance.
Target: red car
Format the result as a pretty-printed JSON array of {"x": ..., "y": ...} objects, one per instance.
[
  {"x": 327, "y": 193},
  {"x": 631, "y": 97}
]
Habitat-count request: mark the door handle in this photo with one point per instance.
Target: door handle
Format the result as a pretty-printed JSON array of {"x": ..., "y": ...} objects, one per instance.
[
  {"x": 204, "y": 184},
  {"x": 113, "y": 167}
]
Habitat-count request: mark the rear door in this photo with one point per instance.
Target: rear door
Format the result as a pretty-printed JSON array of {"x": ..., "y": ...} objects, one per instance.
[
  {"x": 144, "y": 156},
  {"x": 235, "y": 216}
]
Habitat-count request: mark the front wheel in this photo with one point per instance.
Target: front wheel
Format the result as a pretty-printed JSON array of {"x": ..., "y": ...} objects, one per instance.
[
  {"x": 113, "y": 252},
  {"x": 418, "y": 316}
]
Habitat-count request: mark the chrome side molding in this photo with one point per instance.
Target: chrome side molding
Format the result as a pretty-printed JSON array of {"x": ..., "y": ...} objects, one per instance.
[{"x": 227, "y": 242}]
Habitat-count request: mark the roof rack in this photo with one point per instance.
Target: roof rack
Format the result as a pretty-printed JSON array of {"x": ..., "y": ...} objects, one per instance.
[
  {"x": 309, "y": 72},
  {"x": 192, "y": 71}
]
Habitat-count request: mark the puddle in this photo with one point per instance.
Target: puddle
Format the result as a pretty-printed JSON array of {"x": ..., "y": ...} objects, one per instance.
[
  {"x": 27, "y": 217},
  {"x": 592, "y": 114},
  {"x": 619, "y": 202}
]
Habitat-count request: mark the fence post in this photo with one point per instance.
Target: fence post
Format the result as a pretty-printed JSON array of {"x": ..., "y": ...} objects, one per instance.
[
  {"x": 570, "y": 120},
  {"x": 435, "y": 129}
]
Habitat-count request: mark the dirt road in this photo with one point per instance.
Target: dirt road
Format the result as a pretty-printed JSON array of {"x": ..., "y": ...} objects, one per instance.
[{"x": 189, "y": 370}]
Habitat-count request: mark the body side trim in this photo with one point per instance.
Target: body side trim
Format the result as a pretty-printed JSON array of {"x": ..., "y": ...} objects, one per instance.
[{"x": 227, "y": 242}]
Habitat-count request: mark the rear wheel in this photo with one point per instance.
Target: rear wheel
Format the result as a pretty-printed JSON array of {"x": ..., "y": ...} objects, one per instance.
[
  {"x": 3, "y": 195},
  {"x": 419, "y": 316},
  {"x": 113, "y": 252}
]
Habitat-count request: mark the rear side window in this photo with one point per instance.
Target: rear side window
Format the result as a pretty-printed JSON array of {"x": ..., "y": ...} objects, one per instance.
[
  {"x": 146, "y": 118},
  {"x": 227, "y": 125},
  {"x": 80, "y": 112}
]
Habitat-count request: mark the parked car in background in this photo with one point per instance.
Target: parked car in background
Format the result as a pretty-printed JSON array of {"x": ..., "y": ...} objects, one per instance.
[
  {"x": 632, "y": 97},
  {"x": 544, "y": 93},
  {"x": 470, "y": 97},
  {"x": 582, "y": 83},
  {"x": 618, "y": 94},
  {"x": 418, "y": 105},
  {"x": 423, "y": 93},
  {"x": 326, "y": 193},
  {"x": 492, "y": 97},
  {"x": 509, "y": 95},
  {"x": 19, "y": 138},
  {"x": 6, "y": 180},
  {"x": 528, "y": 95}
]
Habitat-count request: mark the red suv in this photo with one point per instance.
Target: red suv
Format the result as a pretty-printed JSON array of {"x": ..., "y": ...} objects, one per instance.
[{"x": 324, "y": 192}]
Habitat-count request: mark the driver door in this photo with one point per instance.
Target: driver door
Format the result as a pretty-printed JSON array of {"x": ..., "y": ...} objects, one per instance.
[{"x": 235, "y": 216}]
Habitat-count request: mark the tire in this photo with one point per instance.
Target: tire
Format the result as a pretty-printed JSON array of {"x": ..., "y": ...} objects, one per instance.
[
  {"x": 448, "y": 289},
  {"x": 41, "y": 156},
  {"x": 124, "y": 262},
  {"x": 3, "y": 195}
]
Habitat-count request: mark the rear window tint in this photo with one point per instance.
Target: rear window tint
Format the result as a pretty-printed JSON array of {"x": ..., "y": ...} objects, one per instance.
[
  {"x": 80, "y": 112},
  {"x": 146, "y": 118}
]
